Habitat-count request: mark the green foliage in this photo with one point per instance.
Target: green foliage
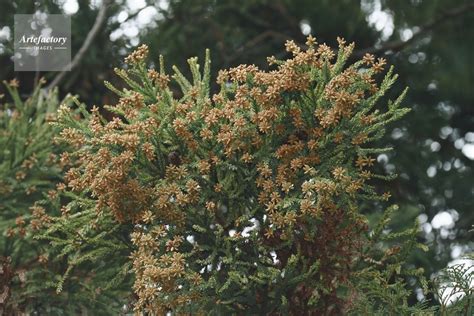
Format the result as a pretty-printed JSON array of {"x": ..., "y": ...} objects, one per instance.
[
  {"x": 29, "y": 172},
  {"x": 247, "y": 201},
  {"x": 94, "y": 250},
  {"x": 455, "y": 289},
  {"x": 258, "y": 199},
  {"x": 435, "y": 64},
  {"x": 31, "y": 197},
  {"x": 27, "y": 158}
]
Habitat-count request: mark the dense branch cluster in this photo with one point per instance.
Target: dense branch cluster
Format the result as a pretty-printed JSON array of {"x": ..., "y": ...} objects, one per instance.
[{"x": 247, "y": 199}]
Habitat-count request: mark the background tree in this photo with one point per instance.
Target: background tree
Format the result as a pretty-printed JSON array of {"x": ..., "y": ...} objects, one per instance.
[{"x": 34, "y": 274}]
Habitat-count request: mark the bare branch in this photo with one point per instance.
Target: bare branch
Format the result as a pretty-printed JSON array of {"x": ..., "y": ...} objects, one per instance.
[{"x": 101, "y": 15}]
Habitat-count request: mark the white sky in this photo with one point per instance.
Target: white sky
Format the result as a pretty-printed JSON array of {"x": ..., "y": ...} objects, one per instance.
[{"x": 382, "y": 21}]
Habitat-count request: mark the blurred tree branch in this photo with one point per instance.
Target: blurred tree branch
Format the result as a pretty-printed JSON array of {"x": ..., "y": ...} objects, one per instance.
[
  {"x": 101, "y": 16},
  {"x": 398, "y": 45},
  {"x": 254, "y": 42},
  {"x": 391, "y": 46},
  {"x": 292, "y": 30}
]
